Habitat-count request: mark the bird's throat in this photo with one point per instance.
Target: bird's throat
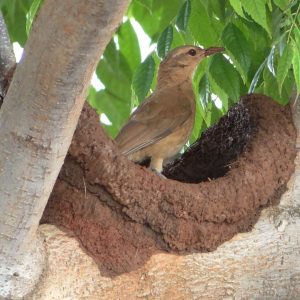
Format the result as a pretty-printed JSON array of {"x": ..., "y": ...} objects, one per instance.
[{"x": 174, "y": 80}]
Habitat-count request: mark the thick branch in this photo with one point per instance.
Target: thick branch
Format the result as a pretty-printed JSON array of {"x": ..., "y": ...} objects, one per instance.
[{"x": 43, "y": 104}]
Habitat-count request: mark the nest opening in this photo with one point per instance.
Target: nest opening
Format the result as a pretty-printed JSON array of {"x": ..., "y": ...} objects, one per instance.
[{"x": 213, "y": 155}]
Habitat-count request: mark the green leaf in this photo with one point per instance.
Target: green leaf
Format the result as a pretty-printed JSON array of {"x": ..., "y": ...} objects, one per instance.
[
  {"x": 215, "y": 8},
  {"x": 14, "y": 13},
  {"x": 197, "y": 86},
  {"x": 205, "y": 30},
  {"x": 257, "y": 38},
  {"x": 115, "y": 73},
  {"x": 154, "y": 15},
  {"x": 199, "y": 124},
  {"x": 237, "y": 48},
  {"x": 178, "y": 39},
  {"x": 213, "y": 114},
  {"x": 269, "y": 3},
  {"x": 164, "y": 42},
  {"x": 287, "y": 87},
  {"x": 225, "y": 76},
  {"x": 270, "y": 61},
  {"x": 270, "y": 85},
  {"x": 182, "y": 19},
  {"x": 217, "y": 90},
  {"x": 282, "y": 4},
  {"x": 276, "y": 20},
  {"x": 31, "y": 14},
  {"x": 296, "y": 66},
  {"x": 199, "y": 127},
  {"x": 256, "y": 77},
  {"x": 271, "y": 88},
  {"x": 258, "y": 43},
  {"x": 134, "y": 100},
  {"x": 117, "y": 110},
  {"x": 216, "y": 113},
  {"x": 218, "y": 8},
  {"x": 143, "y": 77},
  {"x": 199, "y": 73},
  {"x": 257, "y": 10},
  {"x": 129, "y": 45},
  {"x": 237, "y": 6},
  {"x": 157, "y": 62},
  {"x": 284, "y": 64},
  {"x": 204, "y": 92},
  {"x": 147, "y": 4},
  {"x": 296, "y": 32}
]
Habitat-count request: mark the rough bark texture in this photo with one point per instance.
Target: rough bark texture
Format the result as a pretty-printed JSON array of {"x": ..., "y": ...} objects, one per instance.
[
  {"x": 261, "y": 264},
  {"x": 123, "y": 213},
  {"x": 38, "y": 119}
]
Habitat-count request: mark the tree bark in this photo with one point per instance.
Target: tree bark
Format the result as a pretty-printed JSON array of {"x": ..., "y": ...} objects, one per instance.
[{"x": 37, "y": 122}]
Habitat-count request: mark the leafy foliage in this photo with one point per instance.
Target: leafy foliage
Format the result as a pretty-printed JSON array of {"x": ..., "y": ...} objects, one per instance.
[
  {"x": 183, "y": 16},
  {"x": 261, "y": 38},
  {"x": 225, "y": 76},
  {"x": 236, "y": 47},
  {"x": 257, "y": 10},
  {"x": 284, "y": 63},
  {"x": 31, "y": 14},
  {"x": 15, "y": 12},
  {"x": 143, "y": 78},
  {"x": 165, "y": 41}
]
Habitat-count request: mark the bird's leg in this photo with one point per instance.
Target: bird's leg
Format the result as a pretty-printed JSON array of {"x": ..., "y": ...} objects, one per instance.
[{"x": 156, "y": 166}]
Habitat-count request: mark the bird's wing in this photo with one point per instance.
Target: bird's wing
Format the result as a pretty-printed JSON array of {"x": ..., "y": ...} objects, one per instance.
[{"x": 152, "y": 121}]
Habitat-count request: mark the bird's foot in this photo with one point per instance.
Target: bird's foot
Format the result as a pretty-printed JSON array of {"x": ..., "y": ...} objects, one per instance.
[{"x": 158, "y": 173}]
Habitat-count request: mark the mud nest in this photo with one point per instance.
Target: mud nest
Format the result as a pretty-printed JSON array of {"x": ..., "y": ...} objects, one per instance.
[
  {"x": 123, "y": 213},
  {"x": 211, "y": 156}
]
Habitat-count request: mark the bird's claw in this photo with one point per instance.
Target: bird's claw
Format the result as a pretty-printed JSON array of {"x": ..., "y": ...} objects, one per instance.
[{"x": 159, "y": 174}]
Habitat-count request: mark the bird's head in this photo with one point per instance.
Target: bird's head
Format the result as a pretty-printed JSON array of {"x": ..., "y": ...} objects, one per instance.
[{"x": 181, "y": 62}]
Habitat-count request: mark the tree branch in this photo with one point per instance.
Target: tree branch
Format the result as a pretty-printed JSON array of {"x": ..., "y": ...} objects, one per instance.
[{"x": 38, "y": 119}]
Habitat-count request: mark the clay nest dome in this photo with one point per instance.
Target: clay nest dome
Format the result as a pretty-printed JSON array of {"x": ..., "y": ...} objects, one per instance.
[{"x": 122, "y": 213}]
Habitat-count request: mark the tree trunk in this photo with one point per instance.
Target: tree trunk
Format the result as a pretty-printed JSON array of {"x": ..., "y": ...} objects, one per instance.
[{"x": 37, "y": 122}]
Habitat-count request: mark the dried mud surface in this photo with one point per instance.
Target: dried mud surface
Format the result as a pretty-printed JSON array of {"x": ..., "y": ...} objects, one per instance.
[{"x": 123, "y": 213}]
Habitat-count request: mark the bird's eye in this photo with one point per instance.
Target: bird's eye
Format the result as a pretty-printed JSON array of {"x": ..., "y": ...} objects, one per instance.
[{"x": 192, "y": 52}]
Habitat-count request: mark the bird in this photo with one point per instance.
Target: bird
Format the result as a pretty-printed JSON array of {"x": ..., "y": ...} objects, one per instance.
[{"x": 161, "y": 125}]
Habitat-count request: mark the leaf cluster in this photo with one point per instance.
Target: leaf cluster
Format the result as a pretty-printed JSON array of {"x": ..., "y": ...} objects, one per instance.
[{"x": 261, "y": 38}]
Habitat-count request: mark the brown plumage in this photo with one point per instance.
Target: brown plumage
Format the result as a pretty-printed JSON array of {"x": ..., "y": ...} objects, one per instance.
[{"x": 162, "y": 124}]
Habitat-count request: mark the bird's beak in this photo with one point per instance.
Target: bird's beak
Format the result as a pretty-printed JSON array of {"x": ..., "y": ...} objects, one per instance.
[{"x": 213, "y": 50}]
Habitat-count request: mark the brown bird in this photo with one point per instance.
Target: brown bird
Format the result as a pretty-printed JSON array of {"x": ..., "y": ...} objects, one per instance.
[{"x": 162, "y": 124}]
